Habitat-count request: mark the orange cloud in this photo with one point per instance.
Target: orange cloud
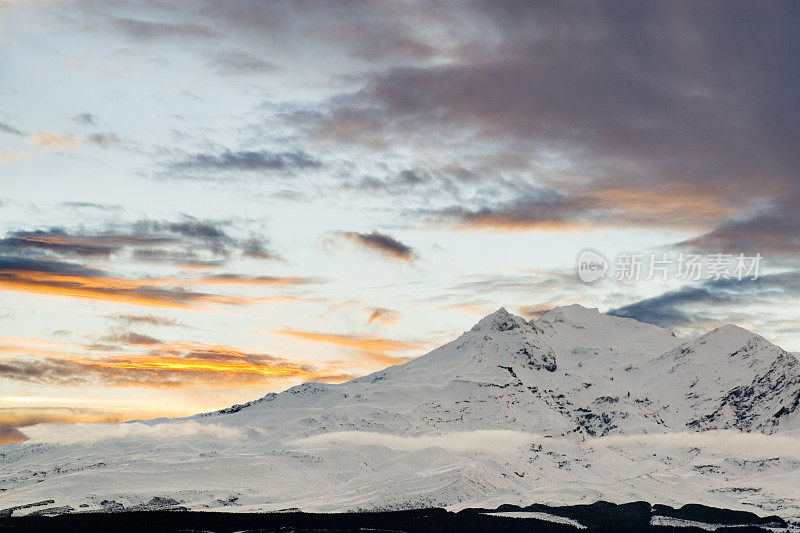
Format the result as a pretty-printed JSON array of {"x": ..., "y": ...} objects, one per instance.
[
  {"x": 349, "y": 341},
  {"x": 372, "y": 347},
  {"x": 683, "y": 206},
  {"x": 586, "y": 208},
  {"x": 53, "y": 140},
  {"x": 167, "y": 365},
  {"x": 149, "y": 292}
]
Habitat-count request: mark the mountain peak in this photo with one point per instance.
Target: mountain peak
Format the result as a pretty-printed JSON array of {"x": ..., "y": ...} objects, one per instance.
[
  {"x": 570, "y": 313},
  {"x": 500, "y": 320},
  {"x": 729, "y": 335}
]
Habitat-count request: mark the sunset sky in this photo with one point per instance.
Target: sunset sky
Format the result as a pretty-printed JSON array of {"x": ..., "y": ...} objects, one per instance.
[{"x": 202, "y": 202}]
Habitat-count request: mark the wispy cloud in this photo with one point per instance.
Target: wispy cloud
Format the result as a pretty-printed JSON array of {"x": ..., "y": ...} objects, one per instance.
[
  {"x": 180, "y": 241},
  {"x": 373, "y": 347},
  {"x": 88, "y": 119},
  {"x": 350, "y": 341},
  {"x": 382, "y": 316},
  {"x": 245, "y": 160},
  {"x": 47, "y": 139},
  {"x": 53, "y": 140},
  {"x": 240, "y": 63},
  {"x": 145, "y": 30},
  {"x": 13, "y": 130},
  {"x": 152, "y": 320}
]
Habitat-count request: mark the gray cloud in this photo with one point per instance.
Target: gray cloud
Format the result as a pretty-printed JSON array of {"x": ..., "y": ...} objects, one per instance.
[
  {"x": 103, "y": 139},
  {"x": 144, "y": 30},
  {"x": 774, "y": 230},
  {"x": 382, "y": 243},
  {"x": 240, "y": 63},
  {"x": 542, "y": 208},
  {"x": 689, "y": 304},
  {"x": 130, "y": 337},
  {"x": 91, "y": 205},
  {"x": 88, "y": 119},
  {"x": 181, "y": 241},
  {"x": 152, "y": 320},
  {"x": 75, "y": 280},
  {"x": 248, "y": 160},
  {"x": 8, "y": 128},
  {"x": 637, "y": 105}
]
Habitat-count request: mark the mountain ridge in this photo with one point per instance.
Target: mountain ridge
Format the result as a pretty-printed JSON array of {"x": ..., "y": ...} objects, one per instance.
[
  {"x": 501, "y": 347},
  {"x": 572, "y": 407}
]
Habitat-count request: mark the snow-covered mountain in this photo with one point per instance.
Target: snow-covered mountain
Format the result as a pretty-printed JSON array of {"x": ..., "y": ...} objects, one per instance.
[{"x": 573, "y": 407}]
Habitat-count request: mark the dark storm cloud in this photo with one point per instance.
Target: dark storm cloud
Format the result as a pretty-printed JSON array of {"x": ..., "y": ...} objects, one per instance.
[
  {"x": 696, "y": 96},
  {"x": 648, "y": 81},
  {"x": 686, "y": 305},
  {"x": 694, "y": 99},
  {"x": 621, "y": 105},
  {"x": 248, "y": 160},
  {"x": 382, "y": 243}
]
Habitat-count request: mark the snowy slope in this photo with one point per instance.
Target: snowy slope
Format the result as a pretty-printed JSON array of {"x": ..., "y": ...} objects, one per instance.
[{"x": 573, "y": 407}]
